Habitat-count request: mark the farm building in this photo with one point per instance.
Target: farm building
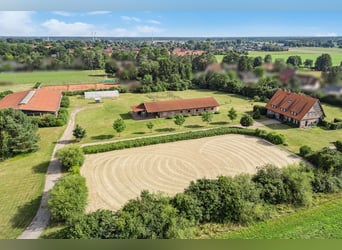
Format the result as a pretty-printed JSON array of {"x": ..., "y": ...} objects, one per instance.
[
  {"x": 174, "y": 107},
  {"x": 300, "y": 110},
  {"x": 34, "y": 102}
]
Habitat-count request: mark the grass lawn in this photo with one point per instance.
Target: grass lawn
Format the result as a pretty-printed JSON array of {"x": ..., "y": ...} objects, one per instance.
[
  {"x": 317, "y": 137},
  {"x": 304, "y": 53},
  {"x": 22, "y": 181},
  {"x": 18, "y": 81},
  {"x": 322, "y": 221},
  {"x": 98, "y": 118}
]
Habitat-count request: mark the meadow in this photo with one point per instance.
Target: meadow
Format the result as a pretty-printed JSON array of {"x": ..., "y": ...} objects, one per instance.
[
  {"x": 98, "y": 118},
  {"x": 19, "y": 81},
  {"x": 303, "y": 52},
  {"x": 22, "y": 182},
  {"x": 322, "y": 221}
]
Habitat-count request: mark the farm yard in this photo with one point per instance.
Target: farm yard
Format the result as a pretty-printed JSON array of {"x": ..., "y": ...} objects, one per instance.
[{"x": 115, "y": 177}]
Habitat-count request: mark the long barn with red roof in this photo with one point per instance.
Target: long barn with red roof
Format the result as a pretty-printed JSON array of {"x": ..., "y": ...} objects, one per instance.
[
  {"x": 173, "y": 107},
  {"x": 34, "y": 102},
  {"x": 302, "y": 111}
]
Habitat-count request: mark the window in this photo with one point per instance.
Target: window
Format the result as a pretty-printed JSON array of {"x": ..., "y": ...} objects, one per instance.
[
  {"x": 189, "y": 111},
  {"x": 181, "y": 111}
]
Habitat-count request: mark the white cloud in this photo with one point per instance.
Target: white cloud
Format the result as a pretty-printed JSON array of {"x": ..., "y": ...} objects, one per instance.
[
  {"x": 98, "y": 12},
  {"x": 154, "y": 22},
  {"x": 148, "y": 29},
  {"x": 62, "y": 13},
  {"x": 129, "y": 18},
  {"x": 17, "y": 23},
  {"x": 55, "y": 27}
]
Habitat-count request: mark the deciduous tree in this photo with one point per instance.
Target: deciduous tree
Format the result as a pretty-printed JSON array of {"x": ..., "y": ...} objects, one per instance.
[{"x": 119, "y": 125}]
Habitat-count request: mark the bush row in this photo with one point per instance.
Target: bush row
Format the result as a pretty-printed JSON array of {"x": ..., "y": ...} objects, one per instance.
[
  {"x": 50, "y": 120},
  {"x": 242, "y": 199},
  {"x": 336, "y": 124},
  {"x": 4, "y": 93},
  {"x": 272, "y": 137}
]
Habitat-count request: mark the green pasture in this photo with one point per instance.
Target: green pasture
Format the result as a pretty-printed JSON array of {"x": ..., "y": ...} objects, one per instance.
[
  {"x": 98, "y": 119},
  {"x": 304, "y": 53},
  {"x": 22, "y": 181},
  {"x": 322, "y": 221},
  {"x": 18, "y": 81}
]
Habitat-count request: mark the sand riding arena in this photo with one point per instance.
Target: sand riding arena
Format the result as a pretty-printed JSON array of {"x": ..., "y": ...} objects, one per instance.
[{"x": 115, "y": 177}]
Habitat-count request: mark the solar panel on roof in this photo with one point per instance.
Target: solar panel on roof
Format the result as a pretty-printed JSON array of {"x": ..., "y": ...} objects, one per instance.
[{"x": 28, "y": 97}]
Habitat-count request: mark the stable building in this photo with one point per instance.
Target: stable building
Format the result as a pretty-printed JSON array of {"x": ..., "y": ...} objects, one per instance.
[
  {"x": 169, "y": 108},
  {"x": 302, "y": 111},
  {"x": 34, "y": 102}
]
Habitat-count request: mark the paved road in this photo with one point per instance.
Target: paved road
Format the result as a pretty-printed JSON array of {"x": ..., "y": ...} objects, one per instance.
[{"x": 41, "y": 220}]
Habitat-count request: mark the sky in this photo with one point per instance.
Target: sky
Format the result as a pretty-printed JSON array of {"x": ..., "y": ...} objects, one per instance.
[{"x": 187, "y": 18}]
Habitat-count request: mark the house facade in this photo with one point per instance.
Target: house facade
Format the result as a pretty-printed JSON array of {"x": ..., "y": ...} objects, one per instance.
[
  {"x": 169, "y": 108},
  {"x": 300, "y": 110},
  {"x": 34, "y": 102}
]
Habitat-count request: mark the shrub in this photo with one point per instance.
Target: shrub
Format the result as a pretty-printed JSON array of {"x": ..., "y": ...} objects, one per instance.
[
  {"x": 269, "y": 179},
  {"x": 256, "y": 114},
  {"x": 65, "y": 102},
  {"x": 188, "y": 207},
  {"x": 70, "y": 156},
  {"x": 246, "y": 120},
  {"x": 304, "y": 151},
  {"x": 68, "y": 198},
  {"x": 262, "y": 109},
  {"x": 338, "y": 145},
  {"x": 297, "y": 184},
  {"x": 275, "y": 138},
  {"x": 326, "y": 183}
]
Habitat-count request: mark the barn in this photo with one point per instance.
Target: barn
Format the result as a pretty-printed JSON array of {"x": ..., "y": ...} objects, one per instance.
[{"x": 169, "y": 108}]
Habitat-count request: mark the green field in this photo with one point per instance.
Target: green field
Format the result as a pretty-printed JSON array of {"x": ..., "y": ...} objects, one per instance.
[
  {"x": 304, "y": 52},
  {"x": 22, "y": 181},
  {"x": 98, "y": 118},
  {"x": 18, "y": 81},
  {"x": 322, "y": 221}
]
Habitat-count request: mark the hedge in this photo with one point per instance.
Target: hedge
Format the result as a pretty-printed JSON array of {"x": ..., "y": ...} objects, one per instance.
[{"x": 180, "y": 137}]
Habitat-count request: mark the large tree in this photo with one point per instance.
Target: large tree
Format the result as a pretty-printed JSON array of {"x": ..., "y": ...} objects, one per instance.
[
  {"x": 111, "y": 67},
  {"x": 323, "y": 62},
  {"x": 294, "y": 60},
  {"x": 79, "y": 132},
  {"x": 18, "y": 134}
]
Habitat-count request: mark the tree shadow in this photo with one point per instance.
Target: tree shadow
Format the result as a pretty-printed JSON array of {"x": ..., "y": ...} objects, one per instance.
[
  {"x": 139, "y": 133},
  {"x": 219, "y": 123},
  {"x": 102, "y": 137},
  {"x": 25, "y": 213},
  {"x": 41, "y": 168},
  {"x": 193, "y": 126},
  {"x": 126, "y": 116},
  {"x": 165, "y": 129}
]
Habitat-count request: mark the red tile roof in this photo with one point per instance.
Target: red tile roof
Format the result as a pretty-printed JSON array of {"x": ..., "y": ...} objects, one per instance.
[
  {"x": 41, "y": 100},
  {"x": 292, "y": 103},
  {"x": 173, "y": 105},
  {"x": 286, "y": 75}
]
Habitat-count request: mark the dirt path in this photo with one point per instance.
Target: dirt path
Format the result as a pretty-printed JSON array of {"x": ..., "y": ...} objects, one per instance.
[
  {"x": 115, "y": 177},
  {"x": 41, "y": 220}
]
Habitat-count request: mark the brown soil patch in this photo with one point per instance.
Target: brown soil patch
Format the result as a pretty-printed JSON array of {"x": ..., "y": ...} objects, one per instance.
[{"x": 115, "y": 177}]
